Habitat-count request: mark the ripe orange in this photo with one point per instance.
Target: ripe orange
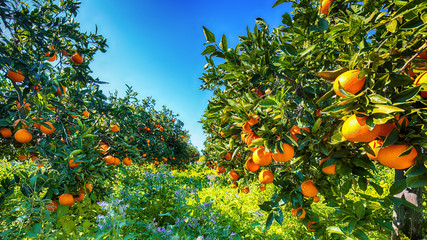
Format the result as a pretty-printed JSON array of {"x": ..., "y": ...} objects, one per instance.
[
  {"x": 257, "y": 91},
  {"x": 389, "y": 156},
  {"x": 316, "y": 199},
  {"x": 261, "y": 157},
  {"x": 245, "y": 189},
  {"x": 22, "y": 157},
  {"x": 24, "y": 123},
  {"x": 266, "y": 177},
  {"x": 6, "y": 132},
  {"x": 109, "y": 159},
  {"x": 288, "y": 153},
  {"x": 33, "y": 157},
  {"x": 115, "y": 128},
  {"x": 247, "y": 128},
  {"x": 116, "y": 161},
  {"x": 66, "y": 199},
  {"x": 308, "y": 189},
  {"x": 80, "y": 197},
  {"x": 61, "y": 90},
  {"x": 77, "y": 59},
  {"x": 297, "y": 213},
  {"x": 220, "y": 170},
  {"x": 227, "y": 156},
  {"x": 386, "y": 128},
  {"x": 296, "y": 130},
  {"x": 253, "y": 120},
  {"x": 85, "y": 113},
  {"x": 329, "y": 169},
  {"x": 375, "y": 146},
  {"x": 233, "y": 175},
  {"x": 251, "y": 166},
  {"x": 15, "y": 76},
  {"x": 309, "y": 226},
  {"x": 144, "y": 155},
  {"x": 422, "y": 78},
  {"x": 350, "y": 82},
  {"x": 127, "y": 161},
  {"x": 89, "y": 187},
  {"x": 52, "y": 206},
  {"x": 47, "y": 130},
  {"x": 51, "y": 58},
  {"x": 355, "y": 129},
  {"x": 262, "y": 188},
  {"x": 71, "y": 164},
  {"x": 233, "y": 185},
  {"x": 26, "y": 105},
  {"x": 23, "y": 136},
  {"x": 324, "y": 7}
]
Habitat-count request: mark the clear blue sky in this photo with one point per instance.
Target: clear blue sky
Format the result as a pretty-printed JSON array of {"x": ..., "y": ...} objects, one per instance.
[{"x": 155, "y": 47}]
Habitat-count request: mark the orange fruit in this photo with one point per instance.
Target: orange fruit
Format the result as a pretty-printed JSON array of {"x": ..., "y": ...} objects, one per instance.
[
  {"x": 422, "y": 78},
  {"x": 245, "y": 189},
  {"x": 85, "y": 113},
  {"x": 71, "y": 164},
  {"x": 220, "y": 170},
  {"x": 15, "y": 76},
  {"x": 26, "y": 105},
  {"x": 253, "y": 120},
  {"x": 233, "y": 185},
  {"x": 386, "y": 128},
  {"x": 257, "y": 91},
  {"x": 324, "y": 7},
  {"x": 51, "y": 58},
  {"x": 61, "y": 90},
  {"x": 23, "y": 136},
  {"x": 22, "y": 157},
  {"x": 52, "y": 206},
  {"x": 309, "y": 226},
  {"x": 80, "y": 197},
  {"x": 47, "y": 130},
  {"x": 66, "y": 199},
  {"x": 247, "y": 128},
  {"x": 76, "y": 58},
  {"x": 127, "y": 161},
  {"x": 227, "y": 156},
  {"x": 233, "y": 175},
  {"x": 156, "y": 162},
  {"x": 389, "y": 156},
  {"x": 33, "y": 157},
  {"x": 288, "y": 153},
  {"x": 262, "y": 188},
  {"x": 350, "y": 82},
  {"x": 297, "y": 213},
  {"x": 316, "y": 199},
  {"x": 116, "y": 161},
  {"x": 24, "y": 123},
  {"x": 109, "y": 159},
  {"x": 308, "y": 189},
  {"x": 262, "y": 157},
  {"x": 144, "y": 155},
  {"x": 266, "y": 177},
  {"x": 375, "y": 146},
  {"x": 6, "y": 132},
  {"x": 115, "y": 128},
  {"x": 329, "y": 169},
  {"x": 355, "y": 129},
  {"x": 296, "y": 130},
  {"x": 89, "y": 187},
  {"x": 251, "y": 166}
]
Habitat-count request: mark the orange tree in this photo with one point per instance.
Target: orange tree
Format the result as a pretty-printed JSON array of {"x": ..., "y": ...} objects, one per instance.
[
  {"x": 324, "y": 102},
  {"x": 52, "y": 111}
]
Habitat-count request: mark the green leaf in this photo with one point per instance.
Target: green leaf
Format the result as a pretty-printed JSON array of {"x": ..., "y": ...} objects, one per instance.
[
  {"x": 287, "y": 20},
  {"x": 209, "y": 50},
  {"x": 377, "y": 188},
  {"x": 392, "y": 26},
  {"x": 210, "y": 37},
  {"x": 325, "y": 97},
  {"x": 288, "y": 49},
  {"x": 417, "y": 181},
  {"x": 359, "y": 234},
  {"x": 307, "y": 50},
  {"x": 385, "y": 224},
  {"x": 223, "y": 43},
  {"x": 360, "y": 209},
  {"x": 406, "y": 95},
  {"x": 269, "y": 221},
  {"x": 391, "y": 138},
  {"x": 265, "y": 207},
  {"x": 33, "y": 180},
  {"x": 400, "y": 201},
  {"x": 267, "y": 102},
  {"x": 278, "y": 2},
  {"x": 323, "y": 24},
  {"x": 335, "y": 230},
  {"x": 376, "y": 98},
  {"x": 406, "y": 152},
  {"x": 413, "y": 23},
  {"x": 279, "y": 216},
  {"x": 397, "y": 187},
  {"x": 386, "y": 109}
]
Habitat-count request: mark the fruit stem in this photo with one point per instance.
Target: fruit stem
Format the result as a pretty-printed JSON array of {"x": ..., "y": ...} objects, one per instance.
[{"x": 412, "y": 58}]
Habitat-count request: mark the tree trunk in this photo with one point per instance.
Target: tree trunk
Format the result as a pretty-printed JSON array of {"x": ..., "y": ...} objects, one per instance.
[{"x": 406, "y": 221}]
